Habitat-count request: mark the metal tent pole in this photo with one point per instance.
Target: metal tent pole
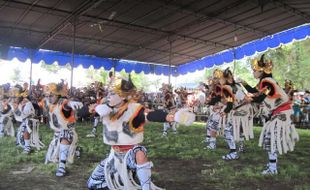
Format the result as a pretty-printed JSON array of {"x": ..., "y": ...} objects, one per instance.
[
  {"x": 30, "y": 78},
  {"x": 73, "y": 51},
  {"x": 170, "y": 57}
]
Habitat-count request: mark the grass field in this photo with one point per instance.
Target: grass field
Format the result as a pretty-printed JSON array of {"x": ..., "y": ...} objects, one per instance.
[{"x": 180, "y": 163}]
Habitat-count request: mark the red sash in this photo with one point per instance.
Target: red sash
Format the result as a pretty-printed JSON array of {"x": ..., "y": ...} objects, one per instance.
[
  {"x": 284, "y": 107},
  {"x": 122, "y": 148}
]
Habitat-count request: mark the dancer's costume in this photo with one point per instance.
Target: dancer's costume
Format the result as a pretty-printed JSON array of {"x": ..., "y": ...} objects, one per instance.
[
  {"x": 169, "y": 104},
  {"x": 278, "y": 134},
  {"x": 24, "y": 113},
  {"x": 96, "y": 121},
  {"x": 6, "y": 112},
  {"x": 238, "y": 119},
  {"x": 61, "y": 116},
  {"x": 123, "y": 131},
  {"x": 6, "y": 124},
  {"x": 214, "y": 108}
]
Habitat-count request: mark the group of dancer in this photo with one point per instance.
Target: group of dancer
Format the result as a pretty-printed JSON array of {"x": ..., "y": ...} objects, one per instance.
[{"x": 232, "y": 104}]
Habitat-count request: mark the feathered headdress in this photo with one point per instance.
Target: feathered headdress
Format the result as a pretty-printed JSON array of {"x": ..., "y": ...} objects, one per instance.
[
  {"x": 18, "y": 91},
  {"x": 227, "y": 72},
  {"x": 261, "y": 65},
  {"x": 124, "y": 88},
  {"x": 217, "y": 73},
  {"x": 60, "y": 89}
]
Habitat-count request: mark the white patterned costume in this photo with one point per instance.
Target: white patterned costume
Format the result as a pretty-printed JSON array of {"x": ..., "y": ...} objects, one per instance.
[
  {"x": 24, "y": 113},
  {"x": 62, "y": 121},
  {"x": 124, "y": 131},
  {"x": 278, "y": 134},
  {"x": 238, "y": 122},
  {"x": 61, "y": 116},
  {"x": 6, "y": 124}
]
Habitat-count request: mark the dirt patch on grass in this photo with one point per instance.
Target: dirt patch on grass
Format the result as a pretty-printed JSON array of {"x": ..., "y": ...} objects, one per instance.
[
  {"x": 171, "y": 174},
  {"x": 167, "y": 173}
]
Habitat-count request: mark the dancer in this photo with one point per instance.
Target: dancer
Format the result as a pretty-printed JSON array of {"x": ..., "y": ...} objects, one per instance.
[
  {"x": 169, "y": 105},
  {"x": 23, "y": 110},
  {"x": 215, "y": 106},
  {"x": 123, "y": 120},
  {"x": 238, "y": 115},
  {"x": 278, "y": 135},
  {"x": 61, "y": 115}
]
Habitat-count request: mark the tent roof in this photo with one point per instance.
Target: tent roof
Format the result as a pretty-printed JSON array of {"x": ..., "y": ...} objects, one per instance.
[{"x": 142, "y": 30}]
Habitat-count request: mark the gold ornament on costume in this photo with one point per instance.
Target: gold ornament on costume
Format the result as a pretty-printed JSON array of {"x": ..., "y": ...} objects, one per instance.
[
  {"x": 266, "y": 91},
  {"x": 229, "y": 99},
  {"x": 261, "y": 65},
  {"x": 288, "y": 84},
  {"x": 217, "y": 73}
]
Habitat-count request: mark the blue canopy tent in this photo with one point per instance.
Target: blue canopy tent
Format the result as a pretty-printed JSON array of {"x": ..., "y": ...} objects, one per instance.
[
  {"x": 50, "y": 57},
  {"x": 248, "y": 49}
]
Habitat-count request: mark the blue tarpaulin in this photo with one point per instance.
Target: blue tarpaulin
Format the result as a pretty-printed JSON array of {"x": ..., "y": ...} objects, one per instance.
[{"x": 248, "y": 49}]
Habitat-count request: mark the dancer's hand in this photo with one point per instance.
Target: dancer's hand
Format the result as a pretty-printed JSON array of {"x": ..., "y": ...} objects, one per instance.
[
  {"x": 170, "y": 117},
  {"x": 75, "y": 105},
  {"x": 223, "y": 114},
  {"x": 248, "y": 99}
]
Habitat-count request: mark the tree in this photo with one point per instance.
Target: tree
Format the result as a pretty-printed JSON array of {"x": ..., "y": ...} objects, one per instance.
[
  {"x": 16, "y": 75},
  {"x": 140, "y": 80},
  {"x": 292, "y": 62},
  {"x": 96, "y": 75},
  {"x": 53, "y": 68}
]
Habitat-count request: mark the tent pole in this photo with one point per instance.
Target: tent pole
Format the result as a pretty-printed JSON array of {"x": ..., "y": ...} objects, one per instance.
[
  {"x": 31, "y": 58},
  {"x": 170, "y": 56},
  {"x": 234, "y": 61},
  {"x": 73, "y": 51}
]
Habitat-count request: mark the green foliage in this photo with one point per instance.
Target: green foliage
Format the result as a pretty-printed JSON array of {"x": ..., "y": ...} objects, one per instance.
[
  {"x": 97, "y": 75},
  {"x": 16, "y": 75},
  {"x": 292, "y": 62},
  {"x": 140, "y": 80},
  {"x": 53, "y": 68}
]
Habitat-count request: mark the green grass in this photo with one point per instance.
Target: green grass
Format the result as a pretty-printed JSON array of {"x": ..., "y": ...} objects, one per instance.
[{"x": 180, "y": 159}]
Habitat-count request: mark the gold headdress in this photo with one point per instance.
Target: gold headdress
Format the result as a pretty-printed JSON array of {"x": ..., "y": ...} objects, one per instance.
[
  {"x": 217, "y": 73},
  {"x": 124, "y": 88},
  {"x": 60, "y": 89},
  {"x": 261, "y": 65},
  {"x": 18, "y": 91},
  {"x": 288, "y": 83}
]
